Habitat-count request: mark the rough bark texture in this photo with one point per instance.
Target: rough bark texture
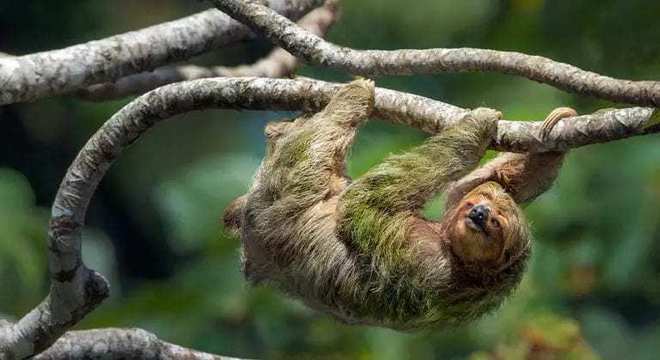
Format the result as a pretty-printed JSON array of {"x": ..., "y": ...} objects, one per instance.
[
  {"x": 75, "y": 290},
  {"x": 279, "y": 63},
  {"x": 407, "y": 62},
  {"x": 119, "y": 344},
  {"x": 30, "y": 77}
]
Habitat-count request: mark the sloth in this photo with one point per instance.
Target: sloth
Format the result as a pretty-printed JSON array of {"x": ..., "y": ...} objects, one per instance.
[{"x": 360, "y": 249}]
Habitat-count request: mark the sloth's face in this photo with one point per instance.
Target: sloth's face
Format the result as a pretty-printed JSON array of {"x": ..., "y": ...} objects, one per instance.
[{"x": 487, "y": 224}]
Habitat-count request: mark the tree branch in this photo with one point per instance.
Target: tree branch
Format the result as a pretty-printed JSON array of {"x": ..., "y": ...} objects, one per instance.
[
  {"x": 29, "y": 77},
  {"x": 279, "y": 63},
  {"x": 119, "y": 344},
  {"x": 407, "y": 62},
  {"x": 76, "y": 290}
]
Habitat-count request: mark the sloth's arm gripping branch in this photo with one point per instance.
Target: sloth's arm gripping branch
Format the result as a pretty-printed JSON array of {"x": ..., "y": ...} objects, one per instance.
[
  {"x": 525, "y": 176},
  {"x": 375, "y": 209},
  {"x": 77, "y": 290},
  {"x": 405, "y": 182}
]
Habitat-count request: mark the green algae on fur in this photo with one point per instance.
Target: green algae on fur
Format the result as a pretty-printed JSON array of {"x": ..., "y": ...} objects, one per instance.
[{"x": 361, "y": 250}]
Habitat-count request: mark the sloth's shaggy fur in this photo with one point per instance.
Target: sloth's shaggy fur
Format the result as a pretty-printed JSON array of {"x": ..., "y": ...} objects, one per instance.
[{"x": 361, "y": 250}]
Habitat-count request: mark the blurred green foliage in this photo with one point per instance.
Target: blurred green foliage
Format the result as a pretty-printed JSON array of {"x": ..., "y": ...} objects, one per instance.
[
  {"x": 22, "y": 258},
  {"x": 593, "y": 287}
]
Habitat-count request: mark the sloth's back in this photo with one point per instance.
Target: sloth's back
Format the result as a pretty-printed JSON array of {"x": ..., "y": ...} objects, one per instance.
[{"x": 309, "y": 262}]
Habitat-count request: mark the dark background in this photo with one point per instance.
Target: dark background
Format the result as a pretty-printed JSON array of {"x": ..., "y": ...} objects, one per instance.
[{"x": 593, "y": 287}]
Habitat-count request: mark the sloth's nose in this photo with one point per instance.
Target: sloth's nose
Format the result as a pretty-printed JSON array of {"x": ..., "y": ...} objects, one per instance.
[{"x": 479, "y": 214}]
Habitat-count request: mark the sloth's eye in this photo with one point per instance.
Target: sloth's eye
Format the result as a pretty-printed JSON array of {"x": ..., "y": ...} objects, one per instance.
[
  {"x": 468, "y": 205},
  {"x": 495, "y": 222}
]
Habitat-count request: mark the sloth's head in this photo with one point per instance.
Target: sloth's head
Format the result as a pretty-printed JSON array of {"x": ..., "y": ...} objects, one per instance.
[{"x": 488, "y": 229}]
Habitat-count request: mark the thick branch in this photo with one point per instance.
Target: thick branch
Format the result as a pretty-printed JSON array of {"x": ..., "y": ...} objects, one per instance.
[
  {"x": 600, "y": 127},
  {"x": 407, "y": 62},
  {"x": 279, "y": 63},
  {"x": 75, "y": 290},
  {"x": 34, "y": 76},
  {"x": 127, "y": 125},
  {"x": 119, "y": 344}
]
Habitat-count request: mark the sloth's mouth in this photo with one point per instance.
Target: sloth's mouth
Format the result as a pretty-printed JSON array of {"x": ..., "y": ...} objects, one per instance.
[{"x": 475, "y": 226}]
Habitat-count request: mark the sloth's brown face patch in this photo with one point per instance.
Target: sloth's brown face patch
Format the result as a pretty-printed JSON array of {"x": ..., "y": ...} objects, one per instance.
[{"x": 486, "y": 224}]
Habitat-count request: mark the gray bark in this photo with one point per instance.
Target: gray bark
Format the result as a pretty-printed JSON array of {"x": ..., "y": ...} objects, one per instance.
[
  {"x": 408, "y": 62},
  {"x": 76, "y": 290},
  {"x": 29, "y": 77},
  {"x": 279, "y": 63},
  {"x": 119, "y": 344}
]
